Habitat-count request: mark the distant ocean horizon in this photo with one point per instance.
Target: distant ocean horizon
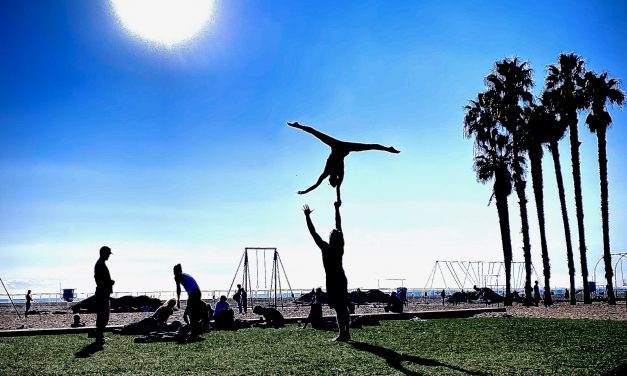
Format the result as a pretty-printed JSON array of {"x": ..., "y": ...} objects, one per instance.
[{"x": 412, "y": 293}]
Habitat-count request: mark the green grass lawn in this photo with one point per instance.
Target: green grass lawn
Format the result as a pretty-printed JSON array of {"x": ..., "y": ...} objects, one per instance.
[{"x": 490, "y": 346}]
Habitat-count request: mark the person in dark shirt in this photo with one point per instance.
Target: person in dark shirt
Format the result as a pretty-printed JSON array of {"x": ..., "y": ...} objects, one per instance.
[
  {"x": 242, "y": 304},
  {"x": 196, "y": 317},
  {"x": 337, "y": 284},
  {"x": 104, "y": 288},
  {"x": 29, "y": 299},
  {"x": 394, "y": 304},
  {"x": 315, "y": 317},
  {"x": 189, "y": 284},
  {"x": 272, "y": 317}
]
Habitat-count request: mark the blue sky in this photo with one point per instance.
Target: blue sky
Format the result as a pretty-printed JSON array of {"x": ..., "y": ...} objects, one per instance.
[{"x": 182, "y": 154}]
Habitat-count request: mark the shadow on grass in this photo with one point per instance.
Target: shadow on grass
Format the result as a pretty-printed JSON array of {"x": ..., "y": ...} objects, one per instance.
[
  {"x": 620, "y": 370},
  {"x": 395, "y": 359},
  {"x": 89, "y": 350}
]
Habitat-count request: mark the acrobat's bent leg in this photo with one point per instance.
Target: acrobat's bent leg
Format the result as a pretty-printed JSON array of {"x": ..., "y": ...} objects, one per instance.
[{"x": 316, "y": 184}]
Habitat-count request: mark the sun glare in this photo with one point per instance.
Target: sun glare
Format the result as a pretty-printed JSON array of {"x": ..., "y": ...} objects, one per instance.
[{"x": 166, "y": 22}]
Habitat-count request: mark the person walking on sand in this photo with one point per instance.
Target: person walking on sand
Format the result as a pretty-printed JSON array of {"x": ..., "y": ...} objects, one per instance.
[
  {"x": 337, "y": 284},
  {"x": 334, "y": 167},
  {"x": 104, "y": 288},
  {"x": 29, "y": 299},
  {"x": 189, "y": 284}
]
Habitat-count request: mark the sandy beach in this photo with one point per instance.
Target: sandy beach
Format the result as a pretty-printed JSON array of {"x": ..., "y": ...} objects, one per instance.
[{"x": 55, "y": 315}]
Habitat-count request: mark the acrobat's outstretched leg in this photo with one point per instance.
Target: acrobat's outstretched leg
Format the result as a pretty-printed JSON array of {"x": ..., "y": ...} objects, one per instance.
[
  {"x": 319, "y": 135},
  {"x": 356, "y": 146}
]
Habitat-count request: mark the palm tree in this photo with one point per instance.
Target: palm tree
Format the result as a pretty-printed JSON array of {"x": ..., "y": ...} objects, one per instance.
[
  {"x": 492, "y": 161},
  {"x": 565, "y": 79},
  {"x": 537, "y": 133},
  {"x": 510, "y": 83},
  {"x": 599, "y": 90},
  {"x": 556, "y": 129}
]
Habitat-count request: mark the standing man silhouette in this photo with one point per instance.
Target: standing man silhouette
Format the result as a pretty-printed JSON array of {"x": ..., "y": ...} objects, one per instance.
[
  {"x": 104, "y": 288},
  {"x": 337, "y": 284},
  {"x": 29, "y": 299}
]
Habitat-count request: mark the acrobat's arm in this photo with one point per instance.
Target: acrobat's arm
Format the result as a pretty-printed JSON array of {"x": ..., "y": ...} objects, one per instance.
[
  {"x": 338, "y": 218},
  {"x": 355, "y": 146},
  {"x": 316, "y": 184},
  {"x": 312, "y": 229},
  {"x": 319, "y": 135}
]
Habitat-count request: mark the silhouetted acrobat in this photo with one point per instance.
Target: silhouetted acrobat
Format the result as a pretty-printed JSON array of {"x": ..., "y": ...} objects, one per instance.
[
  {"x": 337, "y": 285},
  {"x": 334, "y": 167}
]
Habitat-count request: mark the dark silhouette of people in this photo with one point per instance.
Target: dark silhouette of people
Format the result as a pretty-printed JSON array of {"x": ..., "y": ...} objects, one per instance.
[
  {"x": 196, "y": 317},
  {"x": 104, "y": 288},
  {"x": 443, "y": 295},
  {"x": 403, "y": 296},
  {"x": 334, "y": 167},
  {"x": 337, "y": 284},
  {"x": 77, "y": 322},
  {"x": 536, "y": 294},
  {"x": 315, "y": 317},
  {"x": 271, "y": 317},
  {"x": 158, "y": 322},
  {"x": 394, "y": 305},
  {"x": 223, "y": 315},
  {"x": 189, "y": 284},
  {"x": 29, "y": 299},
  {"x": 566, "y": 294},
  {"x": 242, "y": 305}
]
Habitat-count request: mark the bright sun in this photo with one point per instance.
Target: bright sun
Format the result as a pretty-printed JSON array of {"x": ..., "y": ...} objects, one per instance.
[{"x": 166, "y": 22}]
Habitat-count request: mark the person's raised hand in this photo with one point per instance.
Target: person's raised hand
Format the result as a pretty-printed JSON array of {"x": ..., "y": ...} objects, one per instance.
[{"x": 307, "y": 210}]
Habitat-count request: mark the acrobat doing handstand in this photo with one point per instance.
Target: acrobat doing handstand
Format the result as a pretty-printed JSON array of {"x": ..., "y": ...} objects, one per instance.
[{"x": 334, "y": 167}]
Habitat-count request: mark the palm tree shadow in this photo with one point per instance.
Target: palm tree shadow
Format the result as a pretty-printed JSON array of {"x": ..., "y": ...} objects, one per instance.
[
  {"x": 395, "y": 360},
  {"x": 89, "y": 350}
]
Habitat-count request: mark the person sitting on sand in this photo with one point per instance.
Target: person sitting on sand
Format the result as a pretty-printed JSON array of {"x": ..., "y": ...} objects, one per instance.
[
  {"x": 158, "y": 322},
  {"x": 272, "y": 317},
  {"x": 394, "y": 304},
  {"x": 334, "y": 167},
  {"x": 315, "y": 317},
  {"x": 77, "y": 322},
  {"x": 223, "y": 315},
  {"x": 162, "y": 314}
]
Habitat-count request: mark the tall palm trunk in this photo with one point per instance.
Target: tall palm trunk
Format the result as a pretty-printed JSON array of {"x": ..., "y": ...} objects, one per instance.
[
  {"x": 535, "y": 157},
  {"x": 574, "y": 155},
  {"x": 607, "y": 257},
  {"x": 522, "y": 202},
  {"x": 554, "y": 148},
  {"x": 506, "y": 239}
]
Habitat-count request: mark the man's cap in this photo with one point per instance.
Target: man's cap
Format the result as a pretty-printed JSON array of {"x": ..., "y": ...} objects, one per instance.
[{"x": 105, "y": 250}]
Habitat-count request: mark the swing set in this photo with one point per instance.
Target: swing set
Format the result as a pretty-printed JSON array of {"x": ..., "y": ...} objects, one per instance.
[
  {"x": 466, "y": 274},
  {"x": 259, "y": 291}
]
